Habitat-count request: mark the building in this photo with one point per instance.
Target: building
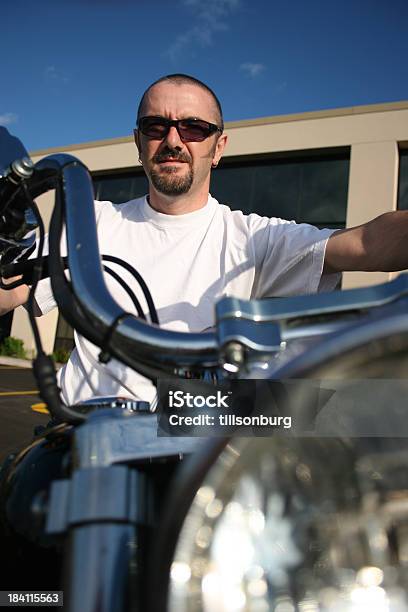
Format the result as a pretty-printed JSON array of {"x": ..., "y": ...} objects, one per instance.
[{"x": 332, "y": 168}]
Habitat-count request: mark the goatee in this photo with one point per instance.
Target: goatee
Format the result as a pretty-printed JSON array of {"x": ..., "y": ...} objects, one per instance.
[
  {"x": 167, "y": 180},
  {"x": 169, "y": 183}
]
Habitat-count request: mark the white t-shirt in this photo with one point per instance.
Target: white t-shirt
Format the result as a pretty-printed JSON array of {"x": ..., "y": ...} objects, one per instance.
[{"x": 188, "y": 262}]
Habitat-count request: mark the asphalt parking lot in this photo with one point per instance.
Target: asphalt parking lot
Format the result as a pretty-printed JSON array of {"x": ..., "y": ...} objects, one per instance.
[{"x": 18, "y": 393}]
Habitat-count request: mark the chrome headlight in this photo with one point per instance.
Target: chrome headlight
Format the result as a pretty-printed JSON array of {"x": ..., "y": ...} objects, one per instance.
[{"x": 308, "y": 525}]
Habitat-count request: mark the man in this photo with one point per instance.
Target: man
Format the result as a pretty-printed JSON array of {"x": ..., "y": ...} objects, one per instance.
[{"x": 191, "y": 250}]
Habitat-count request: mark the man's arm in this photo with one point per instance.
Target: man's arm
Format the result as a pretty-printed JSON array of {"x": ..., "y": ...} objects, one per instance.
[
  {"x": 381, "y": 245},
  {"x": 13, "y": 298}
]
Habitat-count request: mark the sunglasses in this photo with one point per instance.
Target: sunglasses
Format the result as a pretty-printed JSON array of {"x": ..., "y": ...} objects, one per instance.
[{"x": 189, "y": 130}]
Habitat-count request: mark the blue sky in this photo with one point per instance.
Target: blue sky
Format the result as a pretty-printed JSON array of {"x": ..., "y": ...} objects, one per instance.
[{"x": 74, "y": 71}]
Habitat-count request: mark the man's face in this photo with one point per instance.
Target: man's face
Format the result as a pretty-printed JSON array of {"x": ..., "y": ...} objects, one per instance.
[{"x": 175, "y": 167}]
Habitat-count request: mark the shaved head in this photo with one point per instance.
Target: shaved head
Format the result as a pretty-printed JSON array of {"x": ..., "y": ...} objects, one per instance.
[{"x": 184, "y": 79}]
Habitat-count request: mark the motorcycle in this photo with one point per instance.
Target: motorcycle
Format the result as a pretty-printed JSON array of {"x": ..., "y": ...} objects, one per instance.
[{"x": 122, "y": 515}]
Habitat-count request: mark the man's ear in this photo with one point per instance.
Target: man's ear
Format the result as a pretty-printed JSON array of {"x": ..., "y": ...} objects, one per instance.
[{"x": 219, "y": 149}]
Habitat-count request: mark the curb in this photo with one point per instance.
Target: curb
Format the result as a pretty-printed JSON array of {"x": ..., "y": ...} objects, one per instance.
[{"x": 13, "y": 361}]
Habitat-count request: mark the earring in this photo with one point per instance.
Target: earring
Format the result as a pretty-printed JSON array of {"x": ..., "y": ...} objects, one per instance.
[{"x": 140, "y": 161}]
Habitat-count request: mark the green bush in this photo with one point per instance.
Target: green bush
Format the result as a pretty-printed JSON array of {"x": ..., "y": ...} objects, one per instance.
[
  {"x": 13, "y": 347},
  {"x": 61, "y": 355}
]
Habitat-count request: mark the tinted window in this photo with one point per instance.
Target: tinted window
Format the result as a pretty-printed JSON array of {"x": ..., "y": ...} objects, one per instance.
[
  {"x": 120, "y": 188},
  {"x": 306, "y": 190},
  {"x": 403, "y": 181}
]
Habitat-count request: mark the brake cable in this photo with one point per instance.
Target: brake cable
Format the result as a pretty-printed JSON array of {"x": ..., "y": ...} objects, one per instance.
[{"x": 25, "y": 268}]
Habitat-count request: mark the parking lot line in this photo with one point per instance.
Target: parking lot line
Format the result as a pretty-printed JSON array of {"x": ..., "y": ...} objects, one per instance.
[
  {"x": 11, "y": 393},
  {"x": 40, "y": 407}
]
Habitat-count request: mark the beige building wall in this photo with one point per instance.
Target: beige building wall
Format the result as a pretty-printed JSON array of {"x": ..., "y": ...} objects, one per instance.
[{"x": 373, "y": 132}]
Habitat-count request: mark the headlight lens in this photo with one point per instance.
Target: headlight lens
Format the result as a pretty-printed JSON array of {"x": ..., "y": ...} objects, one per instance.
[{"x": 308, "y": 525}]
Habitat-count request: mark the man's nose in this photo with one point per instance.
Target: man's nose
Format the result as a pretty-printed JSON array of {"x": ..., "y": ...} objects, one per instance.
[{"x": 173, "y": 139}]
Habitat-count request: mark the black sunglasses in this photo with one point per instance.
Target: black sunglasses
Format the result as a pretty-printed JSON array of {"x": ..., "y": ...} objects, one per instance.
[{"x": 190, "y": 130}]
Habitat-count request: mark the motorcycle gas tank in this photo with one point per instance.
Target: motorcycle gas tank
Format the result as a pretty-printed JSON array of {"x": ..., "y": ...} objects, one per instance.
[{"x": 25, "y": 478}]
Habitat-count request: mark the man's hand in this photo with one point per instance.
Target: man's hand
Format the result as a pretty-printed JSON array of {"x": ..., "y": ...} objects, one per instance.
[
  {"x": 13, "y": 298},
  {"x": 381, "y": 245}
]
